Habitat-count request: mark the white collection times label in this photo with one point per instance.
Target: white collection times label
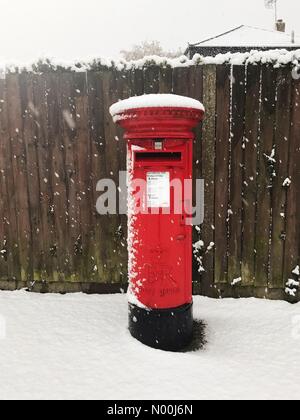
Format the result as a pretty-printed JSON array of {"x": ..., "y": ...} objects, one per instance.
[{"x": 158, "y": 189}]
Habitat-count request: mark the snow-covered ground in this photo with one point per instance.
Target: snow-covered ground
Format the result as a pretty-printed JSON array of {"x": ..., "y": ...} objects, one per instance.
[{"x": 78, "y": 346}]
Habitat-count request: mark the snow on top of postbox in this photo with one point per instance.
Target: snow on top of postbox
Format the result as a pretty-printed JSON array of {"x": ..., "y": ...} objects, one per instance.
[{"x": 154, "y": 101}]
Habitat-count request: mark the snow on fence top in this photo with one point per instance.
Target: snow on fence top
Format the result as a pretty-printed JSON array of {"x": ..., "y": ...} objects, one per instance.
[
  {"x": 277, "y": 58},
  {"x": 153, "y": 101}
]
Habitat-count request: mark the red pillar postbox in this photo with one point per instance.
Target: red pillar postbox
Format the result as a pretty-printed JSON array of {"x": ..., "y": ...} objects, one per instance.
[{"x": 158, "y": 131}]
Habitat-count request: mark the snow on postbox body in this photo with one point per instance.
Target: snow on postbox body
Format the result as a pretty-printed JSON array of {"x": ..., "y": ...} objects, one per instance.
[{"x": 158, "y": 131}]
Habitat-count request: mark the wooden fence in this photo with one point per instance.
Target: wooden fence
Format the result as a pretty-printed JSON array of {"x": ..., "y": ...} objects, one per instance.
[{"x": 57, "y": 140}]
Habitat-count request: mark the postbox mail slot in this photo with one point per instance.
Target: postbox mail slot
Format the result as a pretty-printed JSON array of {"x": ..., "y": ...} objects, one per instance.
[{"x": 158, "y": 156}]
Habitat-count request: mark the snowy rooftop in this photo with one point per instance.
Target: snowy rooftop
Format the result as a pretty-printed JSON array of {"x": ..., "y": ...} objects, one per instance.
[
  {"x": 249, "y": 36},
  {"x": 155, "y": 101}
]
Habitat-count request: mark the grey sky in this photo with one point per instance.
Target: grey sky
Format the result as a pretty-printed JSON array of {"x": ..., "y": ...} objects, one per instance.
[{"x": 74, "y": 29}]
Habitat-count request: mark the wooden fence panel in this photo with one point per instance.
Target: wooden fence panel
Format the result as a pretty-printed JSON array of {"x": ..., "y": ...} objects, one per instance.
[
  {"x": 236, "y": 175},
  {"x": 292, "y": 219},
  {"x": 264, "y": 177},
  {"x": 125, "y": 90},
  {"x": 116, "y": 256},
  {"x": 206, "y": 142},
  {"x": 151, "y": 80},
  {"x": 57, "y": 140},
  {"x": 195, "y": 90},
  {"x": 19, "y": 175},
  {"x": 252, "y": 126},
  {"x": 57, "y": 180},
  {"x": 196, "y": 87},
  {"x": 32, "y": 170},
  {"x": 181, "y": 79},
  {"x": 44, "y": 159},
  {"x": 5, "y": 255},
  {"x": 281, "y": 147},
  {"x": 97, "y": 167},
  {"x": 223, "y": 117},
  {"x": 137, "y": 82},
  {"x": 69, "y": 133},
  {"x": 165, "y": 80},
  {"x": 10, "y": 218},
  {"x": 83, "y": 156}
]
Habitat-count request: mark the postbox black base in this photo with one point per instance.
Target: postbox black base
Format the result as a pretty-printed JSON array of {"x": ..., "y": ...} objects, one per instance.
[{"x": 164, "y": 329}]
